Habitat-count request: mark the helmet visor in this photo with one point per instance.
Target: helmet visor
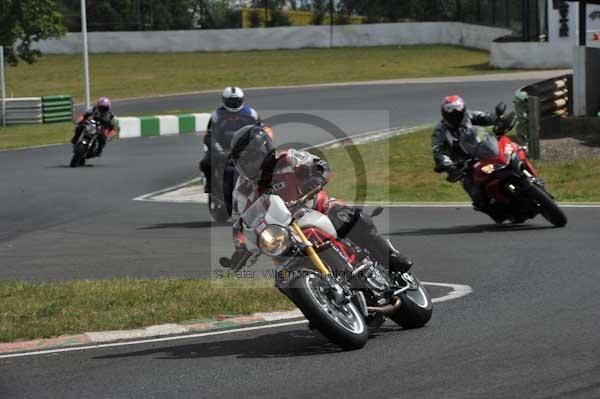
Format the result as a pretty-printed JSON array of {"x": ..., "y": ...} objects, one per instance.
[
  {"x": 234, "y": 103},
  {"x": 454, "y": 117}
]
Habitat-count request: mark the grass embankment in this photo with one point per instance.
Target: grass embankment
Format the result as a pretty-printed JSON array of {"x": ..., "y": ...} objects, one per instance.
[
  {"x": 32, "y": 135},
  {"x": 131, "y": 75},
  {"x": 30, "y": 311},
  {"x": 407, "y": 164}
]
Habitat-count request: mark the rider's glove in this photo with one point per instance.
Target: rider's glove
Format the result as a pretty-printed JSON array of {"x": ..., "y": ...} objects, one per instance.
[
  {"x": 311, "y": 183},
  {"x": 454, "y": 173}
]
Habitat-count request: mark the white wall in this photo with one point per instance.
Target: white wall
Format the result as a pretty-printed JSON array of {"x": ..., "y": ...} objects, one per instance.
[
  {"x": 278, "y": 38},
  {"x": 531, "y": 55}
]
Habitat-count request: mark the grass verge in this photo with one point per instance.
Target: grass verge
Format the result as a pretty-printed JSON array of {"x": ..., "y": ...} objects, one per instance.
[
  {"x": 20, "y": 136},
  {"x": 407, "y": 164},
  {"x": 29, "y": 311},
  {"x": 131, "y": 75}
]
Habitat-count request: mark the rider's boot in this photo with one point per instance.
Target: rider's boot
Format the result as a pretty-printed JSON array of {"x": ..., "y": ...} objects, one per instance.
[{"x": 388, "y": 255}]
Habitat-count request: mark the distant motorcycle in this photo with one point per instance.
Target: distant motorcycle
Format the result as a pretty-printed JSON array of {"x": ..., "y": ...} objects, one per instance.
[
  {"x": 337, "y": 285},
  {"x": 501, "y": 168},
  {"x": 86, "y": 146}
]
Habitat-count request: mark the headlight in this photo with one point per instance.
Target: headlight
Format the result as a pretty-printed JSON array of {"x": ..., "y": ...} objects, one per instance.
[
  {"x": 489, "y": 168},
  {"x": 274, "y": 240}
]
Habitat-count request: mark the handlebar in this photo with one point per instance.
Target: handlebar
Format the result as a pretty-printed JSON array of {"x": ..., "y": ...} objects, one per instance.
[{"x": 293, "y": 205}]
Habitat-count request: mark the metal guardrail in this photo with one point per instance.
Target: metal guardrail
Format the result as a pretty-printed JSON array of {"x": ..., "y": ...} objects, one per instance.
[
  {"x": 23, "y": 110},
  {"x": 539, "y": 108},
  {"x": 57, "y": 109}
]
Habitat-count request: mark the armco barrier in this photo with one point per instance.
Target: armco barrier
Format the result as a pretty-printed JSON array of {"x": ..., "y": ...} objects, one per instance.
[
  {"x": 162, "y": 125},
  {"x": 57, "y": 109},
  {"x": 23, "y": 110},
  {"x": 540, "y": 107}
]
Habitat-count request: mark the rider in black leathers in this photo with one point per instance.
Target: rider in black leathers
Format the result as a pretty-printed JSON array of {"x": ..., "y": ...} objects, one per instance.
[
  {"x": 102, "y": 114},
  {"x": 447, "y": 152},
  {"x": 226, "y": 120}
]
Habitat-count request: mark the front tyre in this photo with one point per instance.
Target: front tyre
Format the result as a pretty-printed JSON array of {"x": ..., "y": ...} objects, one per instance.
[
  {"x": 548, "y": 208},
  {"x": 342, "y": 324},
  {"x": 416, "y": 306}
]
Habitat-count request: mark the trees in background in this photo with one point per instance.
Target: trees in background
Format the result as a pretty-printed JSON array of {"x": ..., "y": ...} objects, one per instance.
[
  {"x": 23, "y": 22},
  {"x": 116, "y": 15}
]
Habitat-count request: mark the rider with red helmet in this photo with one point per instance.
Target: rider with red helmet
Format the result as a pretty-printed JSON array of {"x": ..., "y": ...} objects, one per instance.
[{"x": 447, "y": 152}]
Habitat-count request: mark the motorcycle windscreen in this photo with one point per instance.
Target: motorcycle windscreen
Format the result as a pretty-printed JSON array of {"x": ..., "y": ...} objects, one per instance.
[{"x": 479, "y": 144}]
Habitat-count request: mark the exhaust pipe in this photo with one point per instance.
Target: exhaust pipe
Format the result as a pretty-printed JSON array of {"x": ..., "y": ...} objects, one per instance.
[{"x": 387, "y": 310}]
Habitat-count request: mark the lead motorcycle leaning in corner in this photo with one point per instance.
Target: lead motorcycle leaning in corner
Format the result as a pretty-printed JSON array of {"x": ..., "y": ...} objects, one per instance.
[{"x": 329, "y": 259}]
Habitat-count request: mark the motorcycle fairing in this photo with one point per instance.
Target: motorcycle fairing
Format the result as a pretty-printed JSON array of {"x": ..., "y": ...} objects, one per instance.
[{"x": 318, "y": 220}]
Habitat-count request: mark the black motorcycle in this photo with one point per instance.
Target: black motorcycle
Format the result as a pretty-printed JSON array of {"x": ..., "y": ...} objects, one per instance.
[{"x": 87, "y": 145}]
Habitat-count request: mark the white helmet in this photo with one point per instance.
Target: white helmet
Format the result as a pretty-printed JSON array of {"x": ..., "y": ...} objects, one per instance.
[{"x": 233, "y": 99}]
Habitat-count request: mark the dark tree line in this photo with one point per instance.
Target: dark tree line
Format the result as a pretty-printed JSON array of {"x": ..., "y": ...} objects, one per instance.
[{"x": 115, "y": 15}]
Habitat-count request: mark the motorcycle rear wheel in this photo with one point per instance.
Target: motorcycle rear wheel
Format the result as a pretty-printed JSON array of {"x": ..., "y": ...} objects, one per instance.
[
  {"x": 218, "y": 211},
  {"x": 416, "y": 307},
  {"x": 343, "y": 324},
  {"x": 548, "y": 208}
]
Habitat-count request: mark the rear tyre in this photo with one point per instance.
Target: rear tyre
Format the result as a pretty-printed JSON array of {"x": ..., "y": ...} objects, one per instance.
[
  {"x": 416, "y": 308},
  {"x": 548, "y": 208},
  {"x": 343, "y": 324}
]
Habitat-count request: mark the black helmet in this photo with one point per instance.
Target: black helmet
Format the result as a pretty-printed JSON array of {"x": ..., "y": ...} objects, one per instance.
[
  {"x": 453, "y": 111},
  {"x": 250, "y": 147}
]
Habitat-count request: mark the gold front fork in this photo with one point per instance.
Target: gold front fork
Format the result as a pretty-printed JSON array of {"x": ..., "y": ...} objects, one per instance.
[{"x": 310, "y": 250}]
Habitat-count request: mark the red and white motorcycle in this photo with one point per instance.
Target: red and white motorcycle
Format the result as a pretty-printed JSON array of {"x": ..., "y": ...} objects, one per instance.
[{"x": 336, "y": 284}]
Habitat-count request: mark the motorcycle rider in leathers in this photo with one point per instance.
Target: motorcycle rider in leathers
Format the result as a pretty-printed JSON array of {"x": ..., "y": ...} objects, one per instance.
[
  {"x": 447, "y": 152},
  {"x": 102, "y": 114},
  {"x": 226, "y": 120},
  {"x": 291, "y": 174}
]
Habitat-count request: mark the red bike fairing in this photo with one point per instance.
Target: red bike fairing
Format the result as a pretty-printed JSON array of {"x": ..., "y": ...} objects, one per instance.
[{"x": 490, "y": 181}]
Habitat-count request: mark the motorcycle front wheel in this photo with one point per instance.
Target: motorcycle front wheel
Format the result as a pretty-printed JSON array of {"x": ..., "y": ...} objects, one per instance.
[
  {"x": 78, "y": 158},
  {"x": 548, "y": 208},
  {"x": 342, "y": 324},
  {"x": 416, "y": 306}
]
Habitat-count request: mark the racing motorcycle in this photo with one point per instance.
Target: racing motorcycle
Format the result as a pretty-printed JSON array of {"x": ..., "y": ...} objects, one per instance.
[
  {"x": 339, "y": 287},
  {"x": 500, "y": 166},
  {"x": 86, "y": 146}
]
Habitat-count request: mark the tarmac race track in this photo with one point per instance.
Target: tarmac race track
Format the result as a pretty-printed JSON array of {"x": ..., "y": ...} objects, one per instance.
[{"x": 528, "y": 330}]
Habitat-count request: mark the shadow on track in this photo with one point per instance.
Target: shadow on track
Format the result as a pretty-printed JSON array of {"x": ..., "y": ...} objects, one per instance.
[
  {"x": 186, "y": 225},
  {"x": 278, "y": 345},
  {"x": 471, "y": 229}
]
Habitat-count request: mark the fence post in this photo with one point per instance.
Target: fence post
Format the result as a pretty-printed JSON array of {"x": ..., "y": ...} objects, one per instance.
[
  {"x": 3, "y": 85},
  {"x": 534, "y": 127}
]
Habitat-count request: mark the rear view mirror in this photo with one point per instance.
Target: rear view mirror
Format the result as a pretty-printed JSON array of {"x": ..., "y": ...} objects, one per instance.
[{"x": 377, "y": 211}]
